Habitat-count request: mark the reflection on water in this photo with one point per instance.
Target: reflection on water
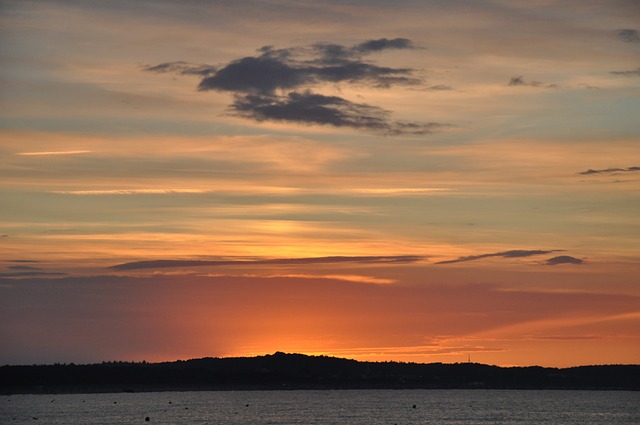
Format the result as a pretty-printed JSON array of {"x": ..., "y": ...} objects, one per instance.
[{"x": 355, "y": 407}]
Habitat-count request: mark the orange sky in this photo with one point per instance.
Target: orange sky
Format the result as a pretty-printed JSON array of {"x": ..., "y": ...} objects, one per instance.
[{"x": 416, "y": 181}]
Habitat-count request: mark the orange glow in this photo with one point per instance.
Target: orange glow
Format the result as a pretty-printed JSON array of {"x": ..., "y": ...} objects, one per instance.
[{"x": 385, "y": 190}]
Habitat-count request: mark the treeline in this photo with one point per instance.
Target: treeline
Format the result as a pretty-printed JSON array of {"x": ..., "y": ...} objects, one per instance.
[{"x": 297, "y": 371}]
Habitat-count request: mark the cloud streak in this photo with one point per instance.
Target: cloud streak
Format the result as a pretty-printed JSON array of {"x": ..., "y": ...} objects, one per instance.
[
  {"x": 516, "y": 253},
  {"x": 129, "y": 191},
  {"x": 630, "y": 73},
  {"x": 399, "y": 259},
  {"x": 276, "y": 85},
  {"x": 30, "y": 274},
  {"x": 520, "y": 81},
  {"x": 184, "y": 68},
  {"x": 610, "y": 171},
  {"x": 53, "y": 153}
]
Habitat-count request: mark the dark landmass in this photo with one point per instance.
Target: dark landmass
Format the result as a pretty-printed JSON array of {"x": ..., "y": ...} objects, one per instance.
[{"x": 298, "y": 371}]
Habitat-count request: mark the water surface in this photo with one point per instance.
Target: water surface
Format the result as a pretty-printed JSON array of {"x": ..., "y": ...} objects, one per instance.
[{"x": 355, "y": 407}]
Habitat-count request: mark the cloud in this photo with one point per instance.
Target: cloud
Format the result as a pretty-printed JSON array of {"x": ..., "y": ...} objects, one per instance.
[
  {"x": 610, "y": 170},
  {"x": 439, "y": 87},
  {"x": 628, "y": 35},
  {"x": 30, "y": 274},
  {"x": 400, "y": 190},
  {"x": 48, "y": 153},
  {"x": 520, "y": 81},
  {"x": 22, "y": 271},
  {"x": 22, "y": 261},
  {"x": 630, "y": 73},
  {"x": 255, "y": 75},
  {"x": 563, "y": 259},
  {"x": 516, "y": 253},
  {"x": 279, "y": 261},
  {"x": 310, "y": 108},
  {"x": 184, "y": 68},
  {"x": 276, "y": 85},
  {"x": 129, "y": 191},
  {"x": 23, "y": 268},
  {"x": 382, "y": 44},
  {"x": 343, "y": 277}
]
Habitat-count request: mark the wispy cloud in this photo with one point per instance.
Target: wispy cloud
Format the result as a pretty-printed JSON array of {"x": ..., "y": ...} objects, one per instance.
[
  {"x": 184, "y": 68},
  {"x": 591, "y": 171},
  {"x": 520, "y": 81},
  {"x": 53, "y": 153},
  {"x": 276, "y": 85},
  {"x": 278, "y": 261},
  {"x": 440, "y": 87},
  {"x": 128, "y": 191},
  {"x": 23, "y": 261},
  {"x": 30, "y": 274},
  {"x": 516, "y": 253},
  {"x": 628, "y": 35},
  {"x": 401, "y": 190},
  {"x": 630, "y": 73},
  {"x": 23, "y": 268},
  {"x": 344, "y": 277}
]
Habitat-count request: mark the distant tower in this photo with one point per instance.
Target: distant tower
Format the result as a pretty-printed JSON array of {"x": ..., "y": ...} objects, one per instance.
[{"x": 469, "y": 358}]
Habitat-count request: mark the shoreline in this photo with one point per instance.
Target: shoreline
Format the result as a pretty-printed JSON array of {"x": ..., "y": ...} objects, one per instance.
[{"x": 282, "y": 371}]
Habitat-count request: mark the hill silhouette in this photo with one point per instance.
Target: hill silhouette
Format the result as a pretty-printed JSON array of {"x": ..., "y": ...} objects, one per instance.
[{"x": 298, "y": 371}]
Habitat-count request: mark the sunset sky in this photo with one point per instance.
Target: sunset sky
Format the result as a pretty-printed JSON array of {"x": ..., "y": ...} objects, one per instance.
[{"x": 412, "y": 180}]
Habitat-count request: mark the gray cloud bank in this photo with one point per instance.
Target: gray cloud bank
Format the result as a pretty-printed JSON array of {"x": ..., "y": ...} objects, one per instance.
[
  {"x": 278, "y": 261},
  {"x": 276, "y": 84}
]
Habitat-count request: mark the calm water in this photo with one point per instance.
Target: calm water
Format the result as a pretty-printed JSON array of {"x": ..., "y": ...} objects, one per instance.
[{"x": 361, "y": 407}]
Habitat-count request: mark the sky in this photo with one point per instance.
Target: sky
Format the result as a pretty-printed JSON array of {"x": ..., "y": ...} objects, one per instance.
[{"x": 423, "y": 181}]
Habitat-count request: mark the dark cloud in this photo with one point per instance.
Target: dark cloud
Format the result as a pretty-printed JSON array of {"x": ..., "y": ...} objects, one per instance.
[
  {"x": 628, "y": 35},
  {"x": 276, "y": 85},
  {"x": 22, "y": 261},
  {"x": 311, "y": 108},
  {"x": 630, "y": 73},
  {"x": 610, "y": 170},
  {"x": 517, "y": 81},
  {"x": 563, "y": 259},
  {"x": 21, "y": 271},
  {"x": 382, "y": 44},
  {"x": 184, "y": 68},
  {"x": 256, "y": 75},
  {"x": 336, "y": 53},
  {"x": 516, "y": 253},
  {"x": 279, "y": 261},
  {"x": 520, "y": 81}
]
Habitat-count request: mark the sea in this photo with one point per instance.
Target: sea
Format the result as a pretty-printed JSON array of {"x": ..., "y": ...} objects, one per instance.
[{"x": 308, "y": 407}]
